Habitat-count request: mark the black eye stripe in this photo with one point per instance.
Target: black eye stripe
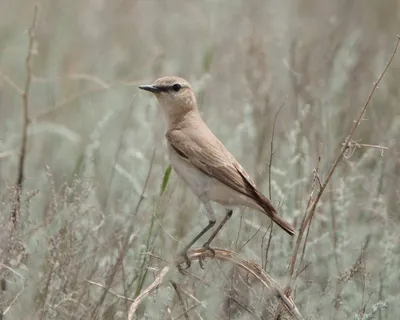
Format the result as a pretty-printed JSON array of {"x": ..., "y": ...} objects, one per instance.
[
  {"x": 164, "y": 89},
  {"x": 169, "y": 88}
]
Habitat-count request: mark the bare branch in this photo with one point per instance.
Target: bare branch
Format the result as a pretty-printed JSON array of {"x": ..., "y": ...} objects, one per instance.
[
  {"x": 269, "y": 178},
  {"x": 272, "y": 148},
  {"x": 25, "y": 99},
  {"x": 178, "y": 293},
  {"x": 110, "y": 291},
  {"x": 156, "y": 283}
]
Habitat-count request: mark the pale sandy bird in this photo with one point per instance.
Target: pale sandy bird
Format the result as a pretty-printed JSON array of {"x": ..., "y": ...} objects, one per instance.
[{"x": 202, "y": 161}]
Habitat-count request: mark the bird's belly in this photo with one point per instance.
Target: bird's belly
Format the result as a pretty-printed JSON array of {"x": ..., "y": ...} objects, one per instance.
[
  {"x": 198, "y": 181},
  {"x": 227, "y": 196}
]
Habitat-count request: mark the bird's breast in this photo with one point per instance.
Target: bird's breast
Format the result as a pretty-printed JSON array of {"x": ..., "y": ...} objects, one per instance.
[{"x": 198, "y": 181}]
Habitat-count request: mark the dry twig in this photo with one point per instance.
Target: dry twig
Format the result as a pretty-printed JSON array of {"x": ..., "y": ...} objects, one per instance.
[
  {"x": 25, "y": 99},
  {"x": 156, "y": 283},
  {"x": 110, "y": 291},
  {"x": 269, "y": 179},
  {"x": 178, "y": 293}
]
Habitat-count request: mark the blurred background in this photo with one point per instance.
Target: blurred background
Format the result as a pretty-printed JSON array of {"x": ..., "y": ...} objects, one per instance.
[{"x": 94, "y": 141}]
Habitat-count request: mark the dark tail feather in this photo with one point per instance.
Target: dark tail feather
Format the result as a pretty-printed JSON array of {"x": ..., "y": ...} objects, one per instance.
[
  {"x": 263, "y": 202},
  {"x": 270, "y": 211}
]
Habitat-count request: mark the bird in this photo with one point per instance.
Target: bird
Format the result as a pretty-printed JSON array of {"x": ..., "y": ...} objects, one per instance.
[{"x": 201, "y": 160}]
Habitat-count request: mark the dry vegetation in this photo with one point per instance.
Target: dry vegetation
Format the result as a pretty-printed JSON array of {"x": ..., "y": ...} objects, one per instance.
[{"x": 91, "y": 218}]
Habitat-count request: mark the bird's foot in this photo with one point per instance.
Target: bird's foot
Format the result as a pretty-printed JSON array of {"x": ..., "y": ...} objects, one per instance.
[
  {"x": 207, "y": 247},
  {"x": 185, "y": 264}
]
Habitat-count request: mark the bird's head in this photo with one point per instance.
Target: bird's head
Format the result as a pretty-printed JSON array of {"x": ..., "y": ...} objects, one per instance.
[{"x": 174, "y": 94}]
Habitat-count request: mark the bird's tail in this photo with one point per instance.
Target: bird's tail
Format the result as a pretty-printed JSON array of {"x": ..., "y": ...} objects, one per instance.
[
  {"x": 270, "y": 211},
  {"x": 262, "y": 202}
]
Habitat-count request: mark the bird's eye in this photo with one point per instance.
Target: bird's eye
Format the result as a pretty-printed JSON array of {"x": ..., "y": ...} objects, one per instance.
[{"x": 176, "y": 87}]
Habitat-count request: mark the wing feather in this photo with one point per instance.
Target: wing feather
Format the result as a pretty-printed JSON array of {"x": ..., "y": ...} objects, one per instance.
[{"x": 213, "y": 159}]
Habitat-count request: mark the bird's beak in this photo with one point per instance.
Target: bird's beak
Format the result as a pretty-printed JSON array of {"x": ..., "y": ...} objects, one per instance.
[{"x": 150, "y": 88}]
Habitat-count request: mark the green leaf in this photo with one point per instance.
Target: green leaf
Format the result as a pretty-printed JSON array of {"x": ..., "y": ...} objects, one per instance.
[{"x": 167, "y": 175}]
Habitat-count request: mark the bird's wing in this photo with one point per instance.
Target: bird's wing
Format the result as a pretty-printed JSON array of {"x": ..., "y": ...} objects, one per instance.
[{"x": 209, "y": 155}]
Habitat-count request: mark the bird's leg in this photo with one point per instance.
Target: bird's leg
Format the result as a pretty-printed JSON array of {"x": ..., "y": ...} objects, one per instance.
[
  {"x": 211, "y": 221},
  {"x": 184, "y": 251},
  {"x": 228, "y": 214},
  {"x": 206, "y": 245}
]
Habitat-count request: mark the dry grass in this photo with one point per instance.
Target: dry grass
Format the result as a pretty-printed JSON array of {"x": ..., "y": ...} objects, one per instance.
[{"x": 91, "y": 219}]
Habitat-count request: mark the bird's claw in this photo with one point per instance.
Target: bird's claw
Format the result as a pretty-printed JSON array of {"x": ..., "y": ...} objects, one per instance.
[
  {"x": 186, "y": 261},
  {"x": 207, "y": 247}
]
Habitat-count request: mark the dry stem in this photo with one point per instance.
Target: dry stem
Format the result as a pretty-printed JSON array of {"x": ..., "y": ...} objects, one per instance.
[
  {"x": 269, "y": 179},
  {"x": 25, "y": 99},
  {"x": 178, "y": 293},
  {"x": 156, "y": 283}
]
